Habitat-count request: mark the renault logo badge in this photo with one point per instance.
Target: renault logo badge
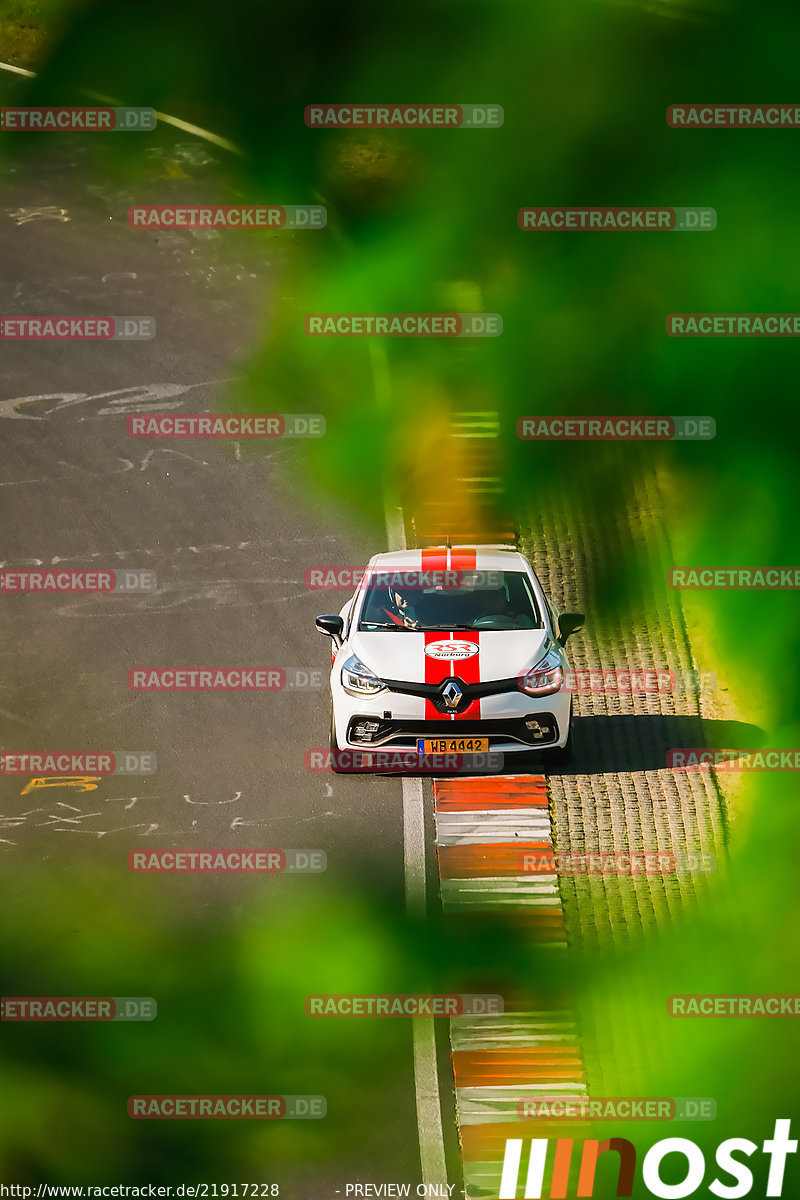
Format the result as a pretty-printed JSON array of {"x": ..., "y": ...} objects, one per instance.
[{"x": 452, "y": 694}]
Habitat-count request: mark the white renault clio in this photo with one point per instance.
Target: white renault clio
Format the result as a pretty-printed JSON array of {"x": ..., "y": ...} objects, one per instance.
[{"x": 451, "y": 650}]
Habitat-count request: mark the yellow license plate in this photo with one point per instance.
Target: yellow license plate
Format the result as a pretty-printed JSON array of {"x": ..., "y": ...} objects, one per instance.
[{"x": 453, "y": 745}]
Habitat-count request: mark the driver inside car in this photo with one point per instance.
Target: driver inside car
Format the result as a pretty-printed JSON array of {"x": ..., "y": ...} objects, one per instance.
[{"x": 399, "y": 609}]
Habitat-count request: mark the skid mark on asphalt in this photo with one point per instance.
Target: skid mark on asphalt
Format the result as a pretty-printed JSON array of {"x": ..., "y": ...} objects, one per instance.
[
  {"x": 160, "y": 552},
  {"x": 224, "y": 593},
  {"x": 87, "y": 822},
  {"x": 16, "y": 482},
  {"x": 206, "y": 817},
  {"x": 135, "y": 400},
  {"x": 483, "y": 828},
  {"x": 239, "y": 822},
  {"x": 232, "y": 800},
  {"x": 150, "y": 455},
  {"x": 47, "y": 212},
  {"x": 52, "y": 480},
  {"x": 127, "y": 465}
]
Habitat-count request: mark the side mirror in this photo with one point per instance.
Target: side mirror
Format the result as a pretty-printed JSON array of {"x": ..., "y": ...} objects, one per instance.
[
  {"x": 332, "y": 625},
  {"x": 569, "y": 623}
]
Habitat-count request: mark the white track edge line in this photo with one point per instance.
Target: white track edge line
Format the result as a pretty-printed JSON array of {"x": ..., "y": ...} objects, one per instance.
[
  {"x": 165, "y": 118},
  {"x": 426, "y": 1072}
]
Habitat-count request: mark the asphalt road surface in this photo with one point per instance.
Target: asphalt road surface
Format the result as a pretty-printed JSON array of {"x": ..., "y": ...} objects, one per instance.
[{"x": 229, "y": 532}]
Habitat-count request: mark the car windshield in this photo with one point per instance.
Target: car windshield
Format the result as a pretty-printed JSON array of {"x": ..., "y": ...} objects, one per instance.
[{"x": 468, "y": 601}]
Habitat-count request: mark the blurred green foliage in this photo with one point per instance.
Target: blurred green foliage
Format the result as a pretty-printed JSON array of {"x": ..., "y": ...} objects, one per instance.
[{"x": 413, "y": 216}]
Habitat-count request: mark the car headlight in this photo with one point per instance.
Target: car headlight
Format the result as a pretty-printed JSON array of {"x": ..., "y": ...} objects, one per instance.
[
  {"x": 358, "y": 680},
  {"x": 543, "y": 679}
]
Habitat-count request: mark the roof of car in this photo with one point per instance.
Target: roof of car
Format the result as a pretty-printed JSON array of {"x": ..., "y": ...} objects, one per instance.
[{"x": 456, "y": 558}]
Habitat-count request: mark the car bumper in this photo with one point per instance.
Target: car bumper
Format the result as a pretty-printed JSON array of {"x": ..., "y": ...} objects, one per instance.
[{"x": 513, "y": 721}]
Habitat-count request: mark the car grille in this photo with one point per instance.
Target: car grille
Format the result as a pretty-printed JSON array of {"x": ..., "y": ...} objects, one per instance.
[
  {"x": 471, "y": 691},
  {"x": 396, "y": 733}
]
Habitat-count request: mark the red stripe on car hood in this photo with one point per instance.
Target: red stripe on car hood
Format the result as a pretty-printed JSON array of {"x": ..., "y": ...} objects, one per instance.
[
  {"x": 439, "y": 669},
  {"x": 434, "y": 560}
]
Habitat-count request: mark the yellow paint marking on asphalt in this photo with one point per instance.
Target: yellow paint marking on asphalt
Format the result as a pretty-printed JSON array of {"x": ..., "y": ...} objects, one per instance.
[{"x": 84, "y": 783}]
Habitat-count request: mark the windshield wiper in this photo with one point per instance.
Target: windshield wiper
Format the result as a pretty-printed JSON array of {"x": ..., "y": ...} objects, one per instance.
[
  {"x": 454, "y": 626},
  {"x": 371, "y": 626}
]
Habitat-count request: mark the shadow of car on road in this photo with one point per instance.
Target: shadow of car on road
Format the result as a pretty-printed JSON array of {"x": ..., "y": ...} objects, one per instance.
[{"x": 640, "y": 742}]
